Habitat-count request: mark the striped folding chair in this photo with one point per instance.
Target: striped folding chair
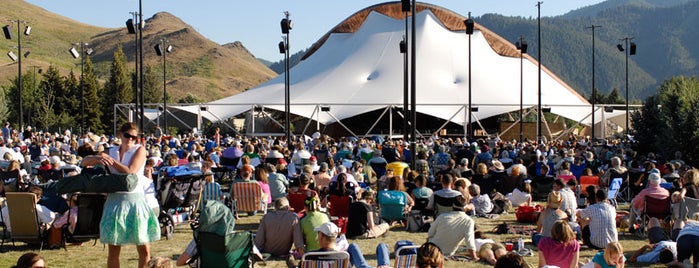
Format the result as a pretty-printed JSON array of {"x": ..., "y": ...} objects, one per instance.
[
  {"x": 328, "y": 259},
  {"x": 406, "y": 260},
  {"x": 247, "y": 197}
]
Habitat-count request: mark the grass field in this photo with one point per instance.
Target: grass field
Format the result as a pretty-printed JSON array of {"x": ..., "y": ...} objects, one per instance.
[{"x": 88, "y": 255}]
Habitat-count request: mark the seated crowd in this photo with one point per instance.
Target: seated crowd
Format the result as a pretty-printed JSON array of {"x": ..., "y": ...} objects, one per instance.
[{"x": 325, "y": 191}]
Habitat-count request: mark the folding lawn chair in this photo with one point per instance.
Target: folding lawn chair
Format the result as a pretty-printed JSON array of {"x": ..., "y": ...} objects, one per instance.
[
  {"x": 230, "y": 251},
  {"x": 689, "y": 208},
  {"x": 327, "y": 259},
  {"x": 247, "y": 197},
  {"x": 339, "y": 210},
  {"x": 613, "y": 192},
  {"x": 589, "y": 180},
  {"x": 655, "y": 208},
  {"x": 392, "y": 205},
  {"x": 408, "y": 259},
  {"x": 24, "y": 219},
  {"x": 296, "y": 201},
  {"x": 87, "y": 226}
]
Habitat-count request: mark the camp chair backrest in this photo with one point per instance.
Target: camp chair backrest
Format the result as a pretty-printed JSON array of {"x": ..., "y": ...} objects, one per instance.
[
  {"x": 614, "y": 187},
  {"x": 589, "y": 180},
  {"x": 339, "y": 205},
  {"x": 10, "y": 180},
  {"x": 230, "y": 163},
  {"x": 232, "y": 250},
  {"x": 90, "y": 207},
  {"x": 379, "y": 168},
  {"x": 392, "y": 204},
  {"x": 23, "y": 217},
  {"x": 421, "y": 204},
  {"x": 296, "y": 201},
  {"x": 327, "y": 259},
  {"x": 406, "y": 260},
  {"x": 566, "y": 178},
  {"x": 248, "y": 196},
  {"x": 692, "y": 206},
  {"x": 657, "y": 208}
]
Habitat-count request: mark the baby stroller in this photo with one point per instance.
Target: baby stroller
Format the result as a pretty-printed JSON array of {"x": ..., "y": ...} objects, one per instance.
[{"x": 178, "y": 194}]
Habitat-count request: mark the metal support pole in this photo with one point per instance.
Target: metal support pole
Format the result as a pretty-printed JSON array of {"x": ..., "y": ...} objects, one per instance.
[
  {"x": 405, "y": 82},
  {"x": 413, "y": 88},
  {"x": 594, "y": 90},
  {"x": 140, "y": 56},
  {"x": 538, "y": 52},
  {"x": 19, "y": 76},
  {"x": 470, "y": 101}
]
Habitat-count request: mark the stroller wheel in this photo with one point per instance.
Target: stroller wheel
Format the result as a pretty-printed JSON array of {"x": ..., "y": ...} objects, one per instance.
[{"x": 167, "y": 225}]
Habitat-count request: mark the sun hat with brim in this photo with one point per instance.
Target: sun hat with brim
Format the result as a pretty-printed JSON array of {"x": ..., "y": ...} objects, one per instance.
[{"x": 329, "y": 229}]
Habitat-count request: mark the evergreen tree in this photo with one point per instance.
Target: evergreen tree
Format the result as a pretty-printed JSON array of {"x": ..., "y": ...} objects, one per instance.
[
  {"x": 118, "y": 89},
  {"x": 93, "y": 110},
  {"x": 614, "y": 97},
  {"x": 152, "y": 88},
  {"x": 12, "y": 97}
]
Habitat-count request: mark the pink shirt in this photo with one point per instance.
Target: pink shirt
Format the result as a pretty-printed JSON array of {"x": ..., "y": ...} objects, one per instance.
[
  {"x": 654, "y": 191},
  {"x": 557, "y": 253},
  {"x": 265, "y": 189}
]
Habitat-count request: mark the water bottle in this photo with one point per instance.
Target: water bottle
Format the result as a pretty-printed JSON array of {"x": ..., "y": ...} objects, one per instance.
[{"x": 520, "y": 244}]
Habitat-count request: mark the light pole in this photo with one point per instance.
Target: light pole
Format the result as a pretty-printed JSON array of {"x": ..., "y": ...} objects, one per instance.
[
  {"x": 522, "y": 47},
  {"x": 539, "y": 136},
  {"x": 84, "y": 51},
  {"x": 470, "y": 24},
  {"x": 140, "y": 70},
  {"x": 630, "y": 50},
  {"x": 131, "y": 26},
  {"x": 162, "y": 50},
  {"x": 594, "y": 90},
  {"x": 34, "y": 89},
  {"x": 7, "y": 30},
  {"x": 286, "y": 26},
  {"x": 405, "y": 7}
]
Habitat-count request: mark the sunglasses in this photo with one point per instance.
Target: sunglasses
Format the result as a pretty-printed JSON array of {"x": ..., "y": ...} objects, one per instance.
[{"x": 129, "y": 136}]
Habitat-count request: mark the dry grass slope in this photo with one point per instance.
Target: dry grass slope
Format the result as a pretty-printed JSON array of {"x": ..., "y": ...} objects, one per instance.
[{"x": 197, "y": 65}]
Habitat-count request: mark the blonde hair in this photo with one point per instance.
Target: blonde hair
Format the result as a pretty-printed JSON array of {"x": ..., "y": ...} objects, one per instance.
[
  {"x": 613, "y": 248},
  {"x": 159, "y": 262},
  {"x": 481, "y": 169},
  {"x": 692, "y": 176},
  {"x": 554, "y": 199}
]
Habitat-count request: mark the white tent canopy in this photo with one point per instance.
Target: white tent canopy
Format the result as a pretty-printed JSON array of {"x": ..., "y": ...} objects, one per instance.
[{"x": 361, "y": 71}]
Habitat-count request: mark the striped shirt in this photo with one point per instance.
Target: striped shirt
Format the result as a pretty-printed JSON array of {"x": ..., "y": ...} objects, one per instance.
[{"x": 602, "y": 223}]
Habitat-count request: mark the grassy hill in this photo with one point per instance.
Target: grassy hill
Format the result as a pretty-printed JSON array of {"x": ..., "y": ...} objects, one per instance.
[{"x": 197, "y": 65}]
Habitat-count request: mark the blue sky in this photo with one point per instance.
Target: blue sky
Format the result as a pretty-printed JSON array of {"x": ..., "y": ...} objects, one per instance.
[{"x": 256, "y": 22}]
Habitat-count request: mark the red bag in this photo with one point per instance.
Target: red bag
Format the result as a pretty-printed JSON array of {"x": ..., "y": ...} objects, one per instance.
[{"x": 527, "y": 214}]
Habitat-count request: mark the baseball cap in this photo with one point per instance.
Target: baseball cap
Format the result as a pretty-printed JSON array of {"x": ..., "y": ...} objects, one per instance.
[{"x": 329, "y": 229}]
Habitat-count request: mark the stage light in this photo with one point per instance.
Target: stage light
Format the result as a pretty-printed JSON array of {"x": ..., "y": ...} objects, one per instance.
[
  {"x": 522, "y": 46},
  {"x": 158, "y": 51},
  {"x": 12, "y": 56},
  {"x": 282, "y": 47},
  {"x": 287, "y": 25},
  {"x": 405, "y": 5},
  {"x": 130, "y": 26},
  {"x": 608, "y": 109},
  {"x": 620, "y": 47},
  {"x": 27, "y": 30},
  {"x": 469, "y": 26},
  {"x": 474, "y": 109},
  {"x": 325, "y": 108},
  {"x": 7, "y": 30},
  {"x": 403, "y": 46},
  {"x": 632, "y": 49},
  {"x": 74, "y": 52}
]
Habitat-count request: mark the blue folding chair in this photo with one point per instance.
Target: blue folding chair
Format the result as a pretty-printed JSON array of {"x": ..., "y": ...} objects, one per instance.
[{"x": 613, "y": 192}]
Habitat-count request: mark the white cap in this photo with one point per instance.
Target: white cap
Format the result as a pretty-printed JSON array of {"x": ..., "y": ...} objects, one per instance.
[{"x": 328, "y": 228}]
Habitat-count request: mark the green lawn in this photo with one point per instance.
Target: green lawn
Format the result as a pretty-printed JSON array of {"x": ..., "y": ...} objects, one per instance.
[{"x": 88, "y": 255}]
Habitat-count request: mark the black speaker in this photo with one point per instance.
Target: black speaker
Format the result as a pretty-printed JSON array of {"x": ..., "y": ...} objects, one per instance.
[
  {"x": 403, "y": 47},
  {"x": 632, "y": 49},
  {"x": 608, "y": 109},
  {"x": 130, "y": 26},
  {"x": 286, "y": 25},
  {"x": 620, "y": 47},
  {"x": 158, "y": 50},
  {"x": 405, "y": 5},
  {"x": 7, "y": 30},
  {"x": 522, "y": 47},
  {"x": 470, "y": 24},
  {"x": 282, "y": 47},
  {"x": 325, "y": 108}
]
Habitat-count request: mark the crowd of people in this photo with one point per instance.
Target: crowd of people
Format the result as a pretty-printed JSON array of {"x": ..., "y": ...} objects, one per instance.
[{"x": 453, "y": 182}]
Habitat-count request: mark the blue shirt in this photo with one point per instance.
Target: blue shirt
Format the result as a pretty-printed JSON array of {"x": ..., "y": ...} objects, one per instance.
[
  {"x": 599, "y": 259},
  {"x": 654, "y": 255}
]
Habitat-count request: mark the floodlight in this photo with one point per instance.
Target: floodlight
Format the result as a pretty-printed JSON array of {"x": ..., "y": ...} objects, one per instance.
[
  {"x": 7, "y": 30},
  {"x": 26, "y": 54},
  {"x": 169, "y": 48},
  {"x": 74, "y": 52},
  {"x": 470, "y": 24},
  {"x": 88, "y": 51},
  {"x": 632, "y": 49},
  {"x": 130, "y": 26},
  {"x": 325, "y": 108},
  {"x": 27, "y": 30},
  {"x": 12, "y": 55},
  {"x": 620, "y": 47},
  {"x": 287, "y": 25}
]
